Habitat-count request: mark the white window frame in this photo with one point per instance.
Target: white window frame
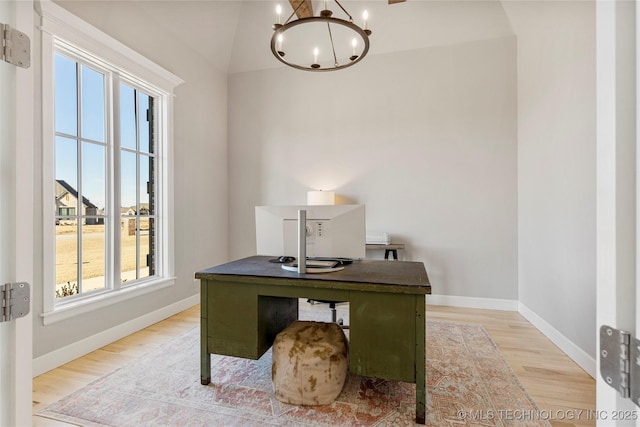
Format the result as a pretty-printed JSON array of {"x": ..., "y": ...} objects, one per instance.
[{"x": 61, "y": 28}]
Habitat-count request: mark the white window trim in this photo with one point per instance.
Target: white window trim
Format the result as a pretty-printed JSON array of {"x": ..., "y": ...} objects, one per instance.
[{"x": 59, "y": 24}]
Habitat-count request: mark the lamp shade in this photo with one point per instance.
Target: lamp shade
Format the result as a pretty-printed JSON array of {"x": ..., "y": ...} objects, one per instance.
[{"x": 321, "y": 198}]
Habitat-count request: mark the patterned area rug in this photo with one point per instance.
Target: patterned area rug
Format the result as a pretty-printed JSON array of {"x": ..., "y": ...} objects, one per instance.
[{"x": 468, "y": 384}]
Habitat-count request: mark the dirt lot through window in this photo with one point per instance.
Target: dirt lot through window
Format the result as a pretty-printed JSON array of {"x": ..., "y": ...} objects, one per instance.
[{"x": 93, "y": 251}]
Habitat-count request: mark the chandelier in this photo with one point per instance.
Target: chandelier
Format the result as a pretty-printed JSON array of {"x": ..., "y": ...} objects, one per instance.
[{"x": 319, "y": 43}]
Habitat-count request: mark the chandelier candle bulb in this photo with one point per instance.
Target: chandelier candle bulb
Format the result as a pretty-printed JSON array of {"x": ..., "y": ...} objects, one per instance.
[
  {"x": 315, "y": 58},
  {"x": 279, "y": 45},
  {"x": 278, "y": 13},
  {"x": 353, "y": 56},
  {"x": 365, "y": 17}
]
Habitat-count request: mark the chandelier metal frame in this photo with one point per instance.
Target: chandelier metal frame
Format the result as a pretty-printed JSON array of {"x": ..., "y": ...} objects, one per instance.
[{"x": 325, "y": 16}]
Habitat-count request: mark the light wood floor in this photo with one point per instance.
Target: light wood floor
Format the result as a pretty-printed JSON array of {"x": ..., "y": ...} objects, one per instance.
[{"x": 560, "y": 388}]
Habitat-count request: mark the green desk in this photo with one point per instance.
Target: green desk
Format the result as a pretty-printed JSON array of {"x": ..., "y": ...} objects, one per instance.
[{"x": 244, "y": 304}]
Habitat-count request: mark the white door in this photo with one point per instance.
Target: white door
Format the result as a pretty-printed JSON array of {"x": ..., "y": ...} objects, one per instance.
[
  {"x": 16, "y": 219},
  {"x": 618, "y": 189}
]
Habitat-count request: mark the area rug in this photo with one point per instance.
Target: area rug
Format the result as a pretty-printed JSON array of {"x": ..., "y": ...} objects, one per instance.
[{"x": 468, "y": 384}]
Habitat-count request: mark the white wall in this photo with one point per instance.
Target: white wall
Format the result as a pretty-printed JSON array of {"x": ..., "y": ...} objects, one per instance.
[
  {"x": 426, "y": 139},
  {"x": 200, "y": 165},
  {"x": 556, "y": 165}
]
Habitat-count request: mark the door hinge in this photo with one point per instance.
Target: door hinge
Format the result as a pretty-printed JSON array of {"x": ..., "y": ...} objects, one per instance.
[
  {"x": 620, "y": 362},
  {"x": 15, "y": 300},
  {"x": 15, "y": 47}
]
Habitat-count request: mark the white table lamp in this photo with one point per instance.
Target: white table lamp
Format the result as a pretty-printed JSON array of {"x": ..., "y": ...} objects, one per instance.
[{"x": 321, "y": 198}]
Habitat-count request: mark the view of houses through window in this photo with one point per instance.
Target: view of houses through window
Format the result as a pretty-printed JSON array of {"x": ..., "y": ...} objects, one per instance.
[{"x": 104, "y": 152}]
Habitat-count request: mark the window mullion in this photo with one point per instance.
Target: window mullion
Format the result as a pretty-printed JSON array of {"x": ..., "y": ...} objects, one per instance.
[
  {"x": 116, "y": 209},
  {"x": 79, "y": 215},
  {"x": 152, "y": 246},
  {"x": 138, "y": 204}
]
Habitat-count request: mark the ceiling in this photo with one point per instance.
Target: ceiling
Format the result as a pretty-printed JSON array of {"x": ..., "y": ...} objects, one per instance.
[{"x": 234, "y": 35}]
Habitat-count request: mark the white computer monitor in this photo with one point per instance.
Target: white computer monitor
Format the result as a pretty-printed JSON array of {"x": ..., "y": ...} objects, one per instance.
[{"x": 333, "y": 231}]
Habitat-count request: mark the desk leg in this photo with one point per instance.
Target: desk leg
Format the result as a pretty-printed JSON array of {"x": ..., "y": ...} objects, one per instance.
[
  {"x": 421, "y": 359},
  {"x": 205, "y": 357}
]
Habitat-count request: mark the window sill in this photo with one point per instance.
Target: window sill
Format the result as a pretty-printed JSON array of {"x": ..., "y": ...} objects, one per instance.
[{"x": 106, "y": 299}]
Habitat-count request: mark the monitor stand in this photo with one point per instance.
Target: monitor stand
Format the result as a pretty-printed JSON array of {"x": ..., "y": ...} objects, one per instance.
[
  {"x": 303, "y": 265},
  {"x": 310, "y": 269}
]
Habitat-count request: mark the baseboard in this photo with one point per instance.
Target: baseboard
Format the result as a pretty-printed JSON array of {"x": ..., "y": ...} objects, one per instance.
[
  {"x": 63, "y": 355},
  {"x": 473, "y": 302},
  {"x": 584, "y": 360}
]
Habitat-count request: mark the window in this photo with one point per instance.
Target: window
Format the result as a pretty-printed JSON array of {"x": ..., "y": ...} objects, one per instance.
[
  {"x": 67, "y": 212},
  {"x": 137, "y": 183},
  {"x": 81, "y": 146},
  {"x": 107, "y": 162},
  {"x": 81, "y": 113}
]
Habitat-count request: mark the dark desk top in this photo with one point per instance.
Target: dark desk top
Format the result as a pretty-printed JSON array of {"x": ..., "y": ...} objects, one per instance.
[{"x": 409, "y": 277}]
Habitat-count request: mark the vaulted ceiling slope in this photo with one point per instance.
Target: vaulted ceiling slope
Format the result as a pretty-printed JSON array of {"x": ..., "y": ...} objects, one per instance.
[{"x": 234, "y": 35}]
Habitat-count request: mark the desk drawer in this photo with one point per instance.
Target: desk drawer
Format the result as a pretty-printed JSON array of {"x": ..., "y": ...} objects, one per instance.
[
  {"x": 383, "y": 335},
  {"x": 243, "y": 324},
  {"x": 232, "y": 319}
]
